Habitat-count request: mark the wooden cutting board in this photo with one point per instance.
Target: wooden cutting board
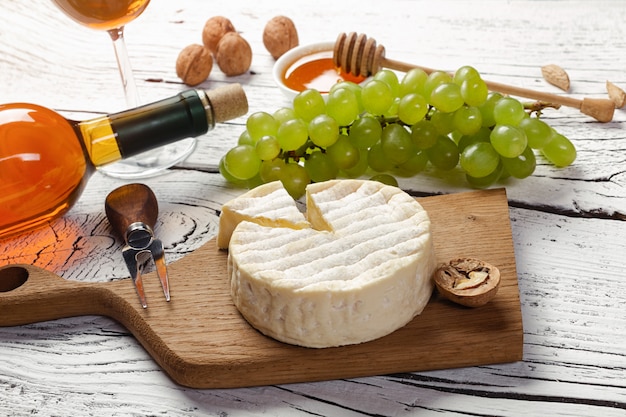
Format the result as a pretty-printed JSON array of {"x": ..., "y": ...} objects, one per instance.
[{"x": 201, "y": 341}]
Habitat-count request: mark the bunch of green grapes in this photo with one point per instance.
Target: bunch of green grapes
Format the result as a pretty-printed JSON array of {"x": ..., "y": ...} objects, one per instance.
[{"x": 390, "y": 126}]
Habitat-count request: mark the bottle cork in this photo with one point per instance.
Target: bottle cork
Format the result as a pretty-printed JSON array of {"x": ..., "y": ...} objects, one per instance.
[{"x": 228, "y": 102}]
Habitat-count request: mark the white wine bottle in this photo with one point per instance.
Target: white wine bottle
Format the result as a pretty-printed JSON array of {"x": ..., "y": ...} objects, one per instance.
[{"x": 46, "y": 159}]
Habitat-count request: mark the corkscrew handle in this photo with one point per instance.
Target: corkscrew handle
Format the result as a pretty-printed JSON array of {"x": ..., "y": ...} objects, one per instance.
[{"x": 130, "y": 204}]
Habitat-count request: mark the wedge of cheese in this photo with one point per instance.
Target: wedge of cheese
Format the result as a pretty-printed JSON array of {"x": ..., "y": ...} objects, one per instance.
[
  {"x": 268, "y": 204},
  {"x": 360, "y": 270}
]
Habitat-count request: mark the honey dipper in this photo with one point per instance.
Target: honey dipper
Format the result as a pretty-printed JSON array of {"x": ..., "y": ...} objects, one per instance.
[{"x": 360, "y": 55}]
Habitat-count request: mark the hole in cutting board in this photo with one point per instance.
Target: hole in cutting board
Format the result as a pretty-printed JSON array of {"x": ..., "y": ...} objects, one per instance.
[{"x": 12, "y": 277}]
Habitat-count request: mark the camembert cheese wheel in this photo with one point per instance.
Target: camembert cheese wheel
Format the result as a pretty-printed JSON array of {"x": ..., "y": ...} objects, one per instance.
[{"x": 361, "y": 269}]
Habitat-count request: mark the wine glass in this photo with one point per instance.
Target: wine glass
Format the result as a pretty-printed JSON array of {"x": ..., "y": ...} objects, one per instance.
[{"x": 111, "y": 16}]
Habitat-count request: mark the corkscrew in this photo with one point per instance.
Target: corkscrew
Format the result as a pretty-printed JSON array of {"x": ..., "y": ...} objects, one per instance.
[{"x": 132, "y": 210}]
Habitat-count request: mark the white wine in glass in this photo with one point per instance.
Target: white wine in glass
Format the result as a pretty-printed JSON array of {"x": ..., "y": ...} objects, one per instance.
[{"x": 112, "y": 16}]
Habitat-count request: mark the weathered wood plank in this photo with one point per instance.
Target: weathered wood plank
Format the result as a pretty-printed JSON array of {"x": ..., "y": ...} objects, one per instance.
[{"x": 567, "y": 224}]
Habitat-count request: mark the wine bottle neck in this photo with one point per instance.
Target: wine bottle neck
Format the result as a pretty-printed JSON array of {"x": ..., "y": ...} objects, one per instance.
[
  {"x": 151, "y": 126},
  {"x": 131, "y": 132}
]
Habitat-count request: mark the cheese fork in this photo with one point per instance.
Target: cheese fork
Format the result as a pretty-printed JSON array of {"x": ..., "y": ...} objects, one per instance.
[{"x": 132, "y": 210}]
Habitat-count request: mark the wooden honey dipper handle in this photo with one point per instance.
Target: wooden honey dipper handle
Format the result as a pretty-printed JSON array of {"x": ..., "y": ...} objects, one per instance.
[{"x": 359, "y": 55}]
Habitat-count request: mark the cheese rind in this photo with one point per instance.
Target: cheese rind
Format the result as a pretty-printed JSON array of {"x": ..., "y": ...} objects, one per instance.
[{"x": 361, "y": 272}]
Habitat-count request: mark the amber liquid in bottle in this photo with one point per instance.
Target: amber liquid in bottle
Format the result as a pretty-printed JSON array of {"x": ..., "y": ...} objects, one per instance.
[
  {"x": 46, "y": 160},
  {"x": 103, "y": 14}
]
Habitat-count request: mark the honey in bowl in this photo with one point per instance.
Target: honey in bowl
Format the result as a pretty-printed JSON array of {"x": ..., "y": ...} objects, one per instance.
[{"x": 316, "y": 71}]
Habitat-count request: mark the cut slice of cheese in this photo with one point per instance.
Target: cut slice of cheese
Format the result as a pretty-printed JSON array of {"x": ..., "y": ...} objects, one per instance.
[
  {"x": 268, "y": 204},
  {"x": 359, "y": 271}
]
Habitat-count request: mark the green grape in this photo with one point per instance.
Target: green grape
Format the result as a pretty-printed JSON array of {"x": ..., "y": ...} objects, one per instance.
[
  {"x": 508, "y": 141},
  {"x": 413, "y": 82},
  {"x": 521, "y": 166},
  {"x": 474, "y": 91},
  {"x": 245, "y": 139},
  {"x": 365, "y": 132},
  {"x": 481, "y": 136},
  {"x": 443, "y": 122},
  {"x": 249, "y": 183},
  {"x": 242, "y": 162},
  {"x": 377, "y": 160},
  {"x": 323, "y": 130},
  {"x": 486, "y": 109},
  {"x": 271, "y": 170},
  {"x": 390, "y": 78},
  {"x": 385, "y": 179},
  {"x": 295, "y": 179},
  {"x": 486, "y": 181},
  {"x": 508, "y": 111},
  {"x": 343, "y": 106},
  {"x": 559, "y": 150},
  {"x": 444, "y": 154},
  {"x": 465, "y": 73},
  {"x": 412, "y": 108},
  {"x": 320, "y": 167},
  {"x": 308, "y": 104},
  {"x": 343, "y": 153},
  {"x": 433, "y": 80},
  {"x": 283, "y": 114},
  {"x": 377, "y": 97},
  {"x": 292, "y": 134},
  {"x": 479, "y": 159},
  {"x": 413, "y": 166},
  {"x": 261, "y": 124},
  {"x": 537, "y": 131},
  {"x": 424, "y": 134},
  {"x": 352, "y": 86},
  {"x": 227, "y": 175},
  {"x": 396, "y": 143},
  {"x": 267, "y": 148},
  {"x": 360, "y": 167},
  {"x": 446, "y": 97},
  {"x": 468, "y": 120}
]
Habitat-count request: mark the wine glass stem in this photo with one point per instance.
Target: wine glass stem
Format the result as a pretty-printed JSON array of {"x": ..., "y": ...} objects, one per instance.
[{"x": 126, "y": 71}]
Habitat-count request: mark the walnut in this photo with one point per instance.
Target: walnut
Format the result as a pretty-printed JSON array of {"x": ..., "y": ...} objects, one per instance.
[
  {"x": 234, "y": 54},
  {"x": 194, "y": 64},
  {"x": 279, "y": 36},
  {"x": 467, "y": 281},
  {"x": 214, "y": 29}
]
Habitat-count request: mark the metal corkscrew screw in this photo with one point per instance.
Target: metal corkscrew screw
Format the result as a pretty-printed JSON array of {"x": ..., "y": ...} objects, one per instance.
[{"x": 132, "y": 211}]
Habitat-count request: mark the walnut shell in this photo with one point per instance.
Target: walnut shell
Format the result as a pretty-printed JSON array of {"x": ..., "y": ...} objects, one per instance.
[
  {"x": 467, "y": 281},
  {"x": 214, "y": 29},
  {"x": 279, "y": 36},
  {"x": 194, "y": 64},
  {"x": 234, "y": 54}
]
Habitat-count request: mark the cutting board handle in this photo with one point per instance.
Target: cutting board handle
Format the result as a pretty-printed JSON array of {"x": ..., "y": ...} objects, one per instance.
[{"x": 29, "y": 294}]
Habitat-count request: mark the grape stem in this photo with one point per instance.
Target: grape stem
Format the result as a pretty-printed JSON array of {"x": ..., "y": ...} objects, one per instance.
[{"x": 538, "y": 106}]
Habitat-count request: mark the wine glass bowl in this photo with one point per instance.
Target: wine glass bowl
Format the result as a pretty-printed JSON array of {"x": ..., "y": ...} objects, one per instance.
[
  {"x": 103, "y": 15},
  {"x": 111, "y": 16}
]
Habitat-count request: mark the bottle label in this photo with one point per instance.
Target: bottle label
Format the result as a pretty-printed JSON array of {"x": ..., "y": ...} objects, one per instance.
[{"x": 157, "y": 124}]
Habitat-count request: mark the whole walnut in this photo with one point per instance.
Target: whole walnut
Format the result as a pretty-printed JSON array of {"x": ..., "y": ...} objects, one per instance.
[
  {"x": 194, "y": 64},
  {"x": 214, "y": 29},
  {"x": 279, "y": 36},
  {"x": 234, "y": 54}
]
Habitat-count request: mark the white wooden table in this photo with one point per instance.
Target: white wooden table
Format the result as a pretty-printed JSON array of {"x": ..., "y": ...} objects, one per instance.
[{"x": 568, "y": 225}]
